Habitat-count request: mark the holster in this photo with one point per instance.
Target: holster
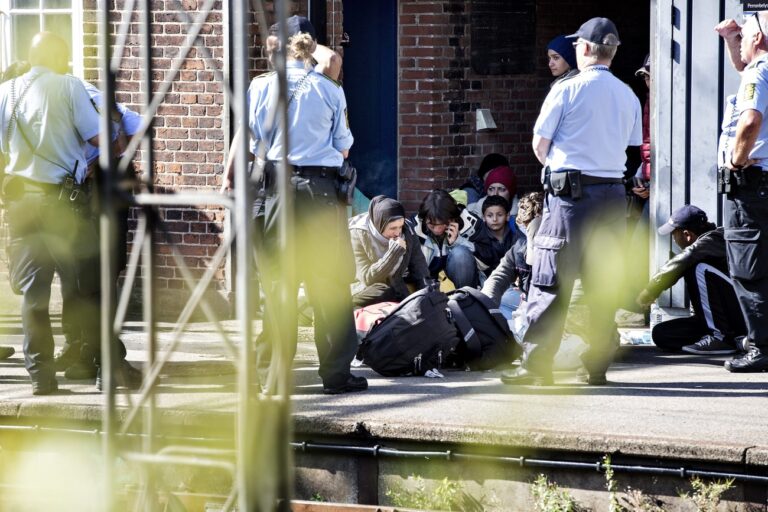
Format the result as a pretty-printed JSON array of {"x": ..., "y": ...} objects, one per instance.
[
  {"x": 726, "y": 181},
  {"x": 565, "y": 183},
  {"x": 346, "y": 179}
]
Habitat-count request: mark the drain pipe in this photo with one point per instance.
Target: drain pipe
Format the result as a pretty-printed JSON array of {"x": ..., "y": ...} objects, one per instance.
[{"x": 449, "y": 455}]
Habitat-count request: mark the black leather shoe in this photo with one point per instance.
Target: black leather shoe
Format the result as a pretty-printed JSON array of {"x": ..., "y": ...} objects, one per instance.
[
  {"x": 6, "y": 352},
  {"x": 522, "y": 377},
  {"x": 754, "y": 361},
  {"x": 351, "y": 385},
  {"x": 67, "y": 356},
  {"x": 44, "y": 386},
  {"x": 593, "y": 379},
  {"x": 81, "y": 371},
  {"x": 126, "y": 376}
]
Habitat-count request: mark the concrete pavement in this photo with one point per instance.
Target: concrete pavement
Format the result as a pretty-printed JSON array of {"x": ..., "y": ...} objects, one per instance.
[{"x": 658, "y": 405}]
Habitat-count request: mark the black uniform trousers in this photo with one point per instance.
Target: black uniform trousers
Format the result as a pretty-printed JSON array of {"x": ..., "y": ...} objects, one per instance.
[
  {"x": 87, "y": 253},
  {"x": 43, "y": 235},
  {"x": 716, "y": 311},
  {"x": 746, "y": 239},
  {"x": 324, "y": 262},
  {"x": 577, "y": 238}
]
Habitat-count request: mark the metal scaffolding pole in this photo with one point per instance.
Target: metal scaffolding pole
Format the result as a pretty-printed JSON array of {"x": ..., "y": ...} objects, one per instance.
[{"x": 262, "y": 421}]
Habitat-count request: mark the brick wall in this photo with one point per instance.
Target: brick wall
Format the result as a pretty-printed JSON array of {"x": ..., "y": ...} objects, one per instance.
[{"x": 439, "y": 92}]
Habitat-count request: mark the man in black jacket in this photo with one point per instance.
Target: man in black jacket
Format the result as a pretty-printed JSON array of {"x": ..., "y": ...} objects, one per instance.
[{"x": 717, "y": 319}]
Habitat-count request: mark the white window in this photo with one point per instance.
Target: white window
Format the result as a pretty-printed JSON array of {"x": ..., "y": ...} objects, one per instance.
[{"x": 22, "y": 19}]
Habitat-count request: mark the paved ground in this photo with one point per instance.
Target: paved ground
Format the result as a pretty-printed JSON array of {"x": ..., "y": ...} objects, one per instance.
[{"x": 656, "y": 404}]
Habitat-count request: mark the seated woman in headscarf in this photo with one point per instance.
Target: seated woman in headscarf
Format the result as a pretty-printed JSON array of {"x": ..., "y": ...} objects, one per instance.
[{"x": 387, "y": 254}]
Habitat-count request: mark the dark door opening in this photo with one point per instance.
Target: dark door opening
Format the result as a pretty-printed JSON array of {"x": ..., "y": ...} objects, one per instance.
[{"x": 370, "y": 84}]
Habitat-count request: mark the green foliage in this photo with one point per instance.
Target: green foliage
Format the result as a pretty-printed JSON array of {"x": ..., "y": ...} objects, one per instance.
[
  {"x": 706, "y": 495},
  {"x": 612, "y": 486},
  {"x": 635, "y": 500},
  {"x": 548, "y": 497},
  {"x": 447, "y": 495},
  {"x": 318, "y": 497}
]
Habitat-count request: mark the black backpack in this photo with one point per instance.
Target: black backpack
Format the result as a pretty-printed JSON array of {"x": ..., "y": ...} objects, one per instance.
[
  {"x": 487, "y": 340},
  {"x": 414, "y": 338}
]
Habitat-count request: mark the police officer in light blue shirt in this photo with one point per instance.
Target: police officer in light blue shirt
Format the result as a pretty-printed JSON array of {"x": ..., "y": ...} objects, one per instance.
[
  {"x": 46, "y": 121},
  {"x": 319, "y": 142},
  {"x": 80, "y": 357},
  {"x": 743, "y": 156},
  {"x": 581, "y": 136}
]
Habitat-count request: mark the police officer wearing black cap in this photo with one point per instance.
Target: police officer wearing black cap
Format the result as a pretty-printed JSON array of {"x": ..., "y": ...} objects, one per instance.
[
  {"x": 743, "y": 177},
  {"x": 581, "y": 136}
]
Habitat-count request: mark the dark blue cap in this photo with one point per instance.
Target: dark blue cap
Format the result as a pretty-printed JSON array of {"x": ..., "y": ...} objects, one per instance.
[
  {"x": 598, "y": 31},
  {"x": 686, "y": 217},
  {"x": 300, "y": 25}
]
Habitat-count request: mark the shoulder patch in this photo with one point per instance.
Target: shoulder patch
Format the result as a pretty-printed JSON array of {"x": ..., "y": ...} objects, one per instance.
[
  {"x": 749, "y": 92},
  {"x": 338, "y": 84}
]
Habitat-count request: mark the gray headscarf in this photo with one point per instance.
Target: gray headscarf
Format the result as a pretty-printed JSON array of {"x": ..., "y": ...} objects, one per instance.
[{"x": 381, "y": 212}]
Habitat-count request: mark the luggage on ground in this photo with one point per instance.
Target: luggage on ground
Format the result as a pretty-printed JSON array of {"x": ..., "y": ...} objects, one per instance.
[
  {"x": 487, "y": 341},
  {"x": 414, "y": 338}
]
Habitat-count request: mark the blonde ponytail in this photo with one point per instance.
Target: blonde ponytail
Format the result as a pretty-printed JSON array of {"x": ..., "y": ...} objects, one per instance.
[{"x": 300, "y": 47}]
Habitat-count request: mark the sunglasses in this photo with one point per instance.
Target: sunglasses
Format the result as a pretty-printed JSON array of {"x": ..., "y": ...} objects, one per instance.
[{"x": 759, "y": 26}]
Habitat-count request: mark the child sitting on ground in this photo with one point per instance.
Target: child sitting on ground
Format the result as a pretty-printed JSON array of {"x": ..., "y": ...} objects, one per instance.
[{"x": 495, "y": 236}]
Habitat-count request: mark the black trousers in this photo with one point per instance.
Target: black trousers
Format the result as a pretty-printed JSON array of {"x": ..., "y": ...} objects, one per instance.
[
  {"x": 86, "y": 330},
  {"x": 716, "y": 311},
  {"x": 43, "y": 236},
  {"x": 746, "y": 238},
  {"x": 375, "y": 293},
  {"x": 324, "y": 262}
]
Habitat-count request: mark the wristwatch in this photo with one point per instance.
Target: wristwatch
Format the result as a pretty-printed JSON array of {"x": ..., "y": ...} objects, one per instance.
[{"x": 736, "y": 167}]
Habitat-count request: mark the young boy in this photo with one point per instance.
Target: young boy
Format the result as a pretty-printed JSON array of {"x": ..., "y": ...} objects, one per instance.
[{"x": 495, "y": 237}]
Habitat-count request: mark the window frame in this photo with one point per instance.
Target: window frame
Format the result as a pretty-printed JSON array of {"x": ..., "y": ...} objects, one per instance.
[{"x": 6, "y": 36}]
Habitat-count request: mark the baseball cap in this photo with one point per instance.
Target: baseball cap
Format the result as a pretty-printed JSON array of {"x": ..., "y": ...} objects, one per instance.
[
  {"x": 295, "y": 25},
  {"x": 685, "y": 217},
  {"x": 598, "y": 31},
  {"x": 646, "y": 69}
]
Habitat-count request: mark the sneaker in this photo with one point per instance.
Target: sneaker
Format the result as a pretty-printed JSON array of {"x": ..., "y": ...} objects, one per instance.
[
  {"x": 754, "y": 361},
  {"x": 351, "y": 385},
  {"x": 126, "y": 376},
  {"x": 67, "y": 356},
  {"x": 6, "y": 352},
  {"x": 710, "y": 346},
  {"x": 81, "y": 371},
  {"x": 522, "y": 377}
]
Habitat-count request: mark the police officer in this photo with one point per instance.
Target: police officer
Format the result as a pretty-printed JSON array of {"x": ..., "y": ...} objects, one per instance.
[
  {"x": 80, "y": 356},
  {"x": 46, "y": 121},
  {"x": 744, "y": 154},
  {"x": 581, "y": 136},
  {"x": 320, "y": 139}
]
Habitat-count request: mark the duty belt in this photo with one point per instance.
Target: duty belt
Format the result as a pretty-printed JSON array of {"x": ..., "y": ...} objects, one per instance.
[
  {"x": 594, "y": 180},
  {"x": 306, "y": 170}
]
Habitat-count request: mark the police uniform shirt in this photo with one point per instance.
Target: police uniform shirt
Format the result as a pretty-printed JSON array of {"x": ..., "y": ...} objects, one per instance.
[
  {"x": 57, "y": 117},
  {"x": 753, "y": 95},
  {"x": 129, "y": 124},
  {"x": 317, "y": 118},
  {"x": 590, "y": 119}
]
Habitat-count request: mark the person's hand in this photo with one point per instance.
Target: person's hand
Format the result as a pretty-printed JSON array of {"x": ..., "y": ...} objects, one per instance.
[
  {"x": 452, "y": 231},
  {"x": 401, "y": 242},
  {"x": 728, "y": 30},
  {"x": 644, "y": 299},
  {"x": 641, "y": 192},
  {"x": 226, "y": 186}
]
